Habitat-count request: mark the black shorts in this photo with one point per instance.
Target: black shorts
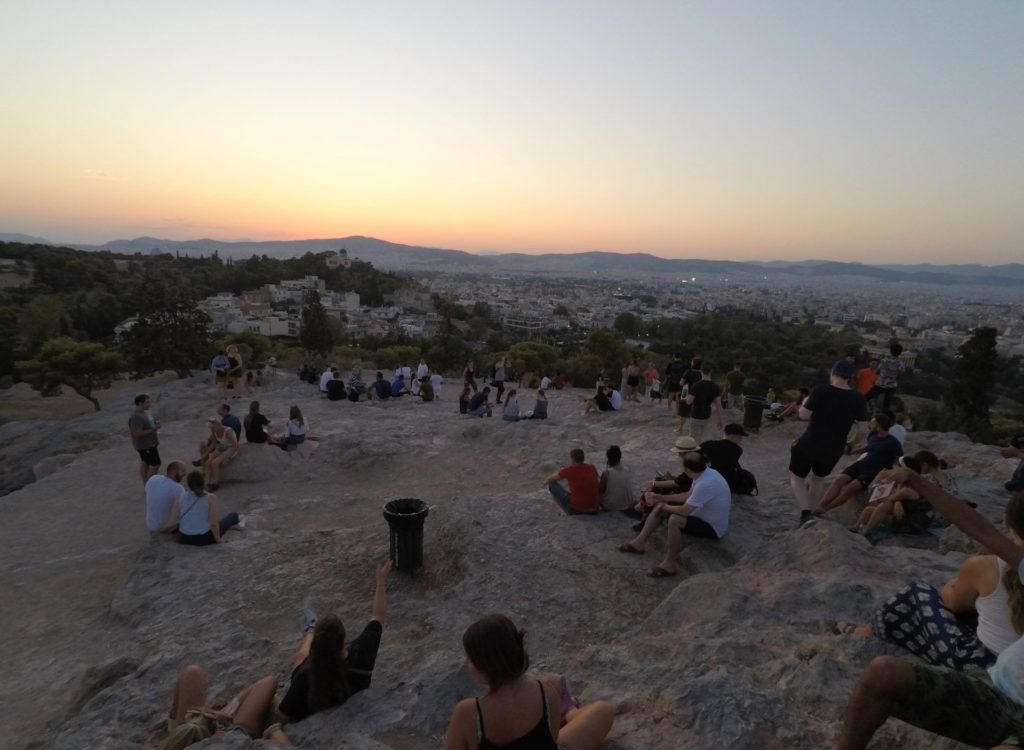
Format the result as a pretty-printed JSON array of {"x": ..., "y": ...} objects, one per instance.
[
  {"x": 674, "y": 387},
  {"x": 684, "y": 409},
  {"x": 860, "y": 471},
  {"x": 633, "y": 381},
  {"x": 150, "y": 456},
  {"x": 699, "y": 528},
  {"x": 801, "y": 464}
]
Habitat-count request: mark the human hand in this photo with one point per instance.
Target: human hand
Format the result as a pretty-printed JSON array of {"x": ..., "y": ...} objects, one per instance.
[{"x": 382, "y": 571}]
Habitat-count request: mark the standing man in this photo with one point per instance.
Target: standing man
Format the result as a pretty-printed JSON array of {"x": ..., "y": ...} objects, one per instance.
[
  {"x": 583, "y": 495},
  {"x": 702, "y": 397},
  {"x": 690, "y": 378},
  {"x": 325, "y": 378},
  {"x": 831, "y": 410},
  {"x": 143, "y": 428},
  {"x": 436, "y": 380},
  {"x": 732, "y": 394},
  {"x": 889, "y": 370},
  {"x": 219, "y": 366},
  {"x": 421, "y": 369}
]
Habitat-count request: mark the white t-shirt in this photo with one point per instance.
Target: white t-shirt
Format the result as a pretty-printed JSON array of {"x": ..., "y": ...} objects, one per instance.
[
  {"x": 437, "y": 381},
  {"x": 407, "y": 374},
  {"x": 422, "y": 370},
  {"x": 161, "y": 494},
  {"x": 616, "y": 400},
  {"x": 1008, "y": 672},
  {"x": 712, "y": 499},
  {"x": 545, "y": 382},
  {"x": 327, "y": 377},
  {"x": 899, "y": 432}
]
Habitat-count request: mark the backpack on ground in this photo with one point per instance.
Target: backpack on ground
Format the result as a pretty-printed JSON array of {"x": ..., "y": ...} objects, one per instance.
[{"x": 744, "y": 483}]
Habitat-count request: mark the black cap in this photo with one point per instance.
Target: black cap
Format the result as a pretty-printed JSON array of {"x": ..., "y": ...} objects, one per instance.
[{"x": 735, "y": 429}]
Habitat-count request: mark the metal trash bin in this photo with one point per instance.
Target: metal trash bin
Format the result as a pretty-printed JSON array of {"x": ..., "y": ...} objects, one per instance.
[
  {"x": 405, "y": 518},
  {"x": 753, "y": 412}
]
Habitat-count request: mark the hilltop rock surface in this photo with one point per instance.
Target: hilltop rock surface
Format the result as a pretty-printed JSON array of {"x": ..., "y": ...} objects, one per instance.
[{"x": 738, "y": 652}]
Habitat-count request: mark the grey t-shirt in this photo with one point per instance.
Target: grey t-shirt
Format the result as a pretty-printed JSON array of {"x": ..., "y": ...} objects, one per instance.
[{"x": 141, "y": 420}]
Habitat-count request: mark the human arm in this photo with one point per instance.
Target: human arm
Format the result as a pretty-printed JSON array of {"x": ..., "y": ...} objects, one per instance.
[
  {"x": 553, "y": 478},
  {"x": 172, "y": 517},
  {"x": 275, "y": 733},
  {"x": 683, "y": 509},
  {"x": 1011, "y": 452},
  {"x": 380, "y": 594},
  {"x": 962, "y": 590},
  {"x": 718, "y": 411},
  {"x": 959, "y": 513},
  {"x": 602, "y": 484},
  {"x": 461, "y": 726}
]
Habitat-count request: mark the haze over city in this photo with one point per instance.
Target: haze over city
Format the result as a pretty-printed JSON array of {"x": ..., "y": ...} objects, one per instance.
[{"x": 873, "y": 132}]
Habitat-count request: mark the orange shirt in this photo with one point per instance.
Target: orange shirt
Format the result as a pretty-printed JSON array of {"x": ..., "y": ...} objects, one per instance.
[
  {"x": 650, "y": 375},
  {"x": 866, "y": 378}
]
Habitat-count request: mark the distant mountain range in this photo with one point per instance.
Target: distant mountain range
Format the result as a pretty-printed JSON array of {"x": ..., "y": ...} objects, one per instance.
[{"x": 396, "y": 257}]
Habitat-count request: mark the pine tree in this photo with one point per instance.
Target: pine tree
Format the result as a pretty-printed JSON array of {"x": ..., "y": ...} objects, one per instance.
[
  {"x": 316, "y": 333},
  {"x": 971, "y": 389}
]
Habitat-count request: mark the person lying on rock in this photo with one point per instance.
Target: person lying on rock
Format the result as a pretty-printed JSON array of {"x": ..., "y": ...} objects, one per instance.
[
  {"x": 704, "y": 515},
  {"x": 196, "y": 514},
  {"x": 519, "y": 710},
  {"x": 191, "y": 721},
  {"x": 583, "y": 496},
  {"x": 981, "y": 708},
  {"x": 225, "y": 448},
  {"x": 882, "y": 451},
  {"x": 327, "y": 671}
]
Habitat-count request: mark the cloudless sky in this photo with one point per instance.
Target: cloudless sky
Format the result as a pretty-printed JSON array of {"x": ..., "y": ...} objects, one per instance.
[{"x": 871, "y": 131}]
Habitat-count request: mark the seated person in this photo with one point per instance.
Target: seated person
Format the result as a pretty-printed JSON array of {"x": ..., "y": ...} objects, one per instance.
[
  {"x": 478, "y": 405},
  {"x": 225, "y": 448},
  {"x": 791, "y": 409},
  {"x": 398, "y": 387},
  {"x": 196, "y": 513},
  {"x": 519, "y": 710},
  {"x": 381, "y": 388},
  {"x": 162, "y": 493},
  {"x": 256, "y": 424},
  {"x": 426, "y": 390},
  {"x": 599, "y": 402},
  {"x": 464, "y": 397},
  {"x": 336, "y": 389},
  {"x": 327, "y": 671},
  {"x": 615, "y": 399},
  {"x": 583, "y": 495},
  {"x": 888, "y": 502},
  {"x": 209, "y": 445},
  {"x": 414, "y": 387},
  {"x": 229, "y": 420},
  {"x": 297, "y": 429},
  {"x": 191, "y": 721},
  {"x": 724, "y": 455},
  {"x": 704, "y": 515},
  {"x": 356, "y": 386},
  {"x": 559, "y": 381},
  {"x": 1015, "y": 450},
  {"x": 882, "y": 451},
  {"x": 980, "y": 709},
  {"x": 540, "y": 406},
  {"x": 616, "y": 483},
  {"x": 510, "y": 411},
  {"x": 665, "y": 487}
]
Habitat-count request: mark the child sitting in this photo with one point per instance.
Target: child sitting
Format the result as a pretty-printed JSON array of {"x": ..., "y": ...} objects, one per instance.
[{"x": 888, "y": 502}]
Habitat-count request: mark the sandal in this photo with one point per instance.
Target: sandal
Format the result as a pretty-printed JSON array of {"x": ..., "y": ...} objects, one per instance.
[
  {"x": 660, "y": 572},
  {"x": 630, "y": 549}
]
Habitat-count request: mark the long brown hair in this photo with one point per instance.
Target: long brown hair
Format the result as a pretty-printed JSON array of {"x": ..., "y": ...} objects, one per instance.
[
  {"x": 254, "y": 411},
  {"x": 495, "y": 647},
  {"x": 1011, "y": 580},
  {"x": 328, "y": 670}
]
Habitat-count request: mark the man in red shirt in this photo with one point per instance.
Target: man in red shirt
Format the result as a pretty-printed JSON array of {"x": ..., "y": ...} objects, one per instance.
[
  {"x": 866, "y": 377},
  {"x": 582, "y": 495}
]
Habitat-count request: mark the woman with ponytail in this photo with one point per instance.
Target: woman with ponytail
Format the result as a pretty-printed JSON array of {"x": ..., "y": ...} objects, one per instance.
[
  {"x": 328, "y": 671},
  {"x": 940, "y": 626},
  {"x": 519, "y": 711}
]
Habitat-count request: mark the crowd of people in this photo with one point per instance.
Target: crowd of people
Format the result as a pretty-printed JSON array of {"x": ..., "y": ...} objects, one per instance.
[{"x": 966, "y": 678}]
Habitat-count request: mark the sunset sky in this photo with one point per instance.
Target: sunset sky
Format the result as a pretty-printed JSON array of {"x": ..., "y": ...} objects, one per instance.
[{"x": 867, "y": 131}]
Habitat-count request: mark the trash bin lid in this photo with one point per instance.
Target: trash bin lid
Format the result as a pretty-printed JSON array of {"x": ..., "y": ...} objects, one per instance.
[{"x": 406, "y": 506}]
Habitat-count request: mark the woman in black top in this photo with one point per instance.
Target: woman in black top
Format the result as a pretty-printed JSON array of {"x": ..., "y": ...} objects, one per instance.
[
  {"x": 254, "y": 423},
  {"x": 327, "y": 672},
  {"x": 519, "y": 711}
]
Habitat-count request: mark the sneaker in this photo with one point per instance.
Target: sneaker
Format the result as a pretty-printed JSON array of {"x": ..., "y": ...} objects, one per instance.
[{"x": 308, "y": 621}]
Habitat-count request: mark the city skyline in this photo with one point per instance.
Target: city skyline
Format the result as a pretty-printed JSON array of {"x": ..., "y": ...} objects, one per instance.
[{"x": 875, "y": 133}]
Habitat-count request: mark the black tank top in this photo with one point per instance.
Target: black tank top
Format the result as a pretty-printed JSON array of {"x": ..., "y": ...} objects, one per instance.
[{"x": 538, "y": 738}]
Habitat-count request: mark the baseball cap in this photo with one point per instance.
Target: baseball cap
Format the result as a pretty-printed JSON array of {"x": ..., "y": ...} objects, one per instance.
[
  {"x": 735, "y": 429},
  {"x": 844, "y": 368},
  {"x": 685, "y": 444}
]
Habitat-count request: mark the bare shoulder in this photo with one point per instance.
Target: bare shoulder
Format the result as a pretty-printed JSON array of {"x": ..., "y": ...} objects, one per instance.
[{"x": 983, "y": 572}]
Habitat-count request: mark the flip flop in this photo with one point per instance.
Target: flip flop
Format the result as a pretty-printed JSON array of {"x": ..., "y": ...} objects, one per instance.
[
  {"x": 660, "y": 572},
  {"x": 630, "y": 549}
]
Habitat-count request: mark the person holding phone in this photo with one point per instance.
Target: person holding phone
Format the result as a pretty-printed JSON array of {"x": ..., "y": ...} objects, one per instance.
[{"x": 888, "y": 502}]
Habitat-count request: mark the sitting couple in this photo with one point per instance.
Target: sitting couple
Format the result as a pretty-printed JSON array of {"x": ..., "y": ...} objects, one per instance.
[{"x": 701, "y": 511}]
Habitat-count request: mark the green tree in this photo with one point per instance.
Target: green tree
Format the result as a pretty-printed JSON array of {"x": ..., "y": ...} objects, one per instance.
[
  {"x": 176, "y": 337},
  {"x": 970, "y": 393},
  {"x": 316, "y": 334},
  {"x": 41, "y": 319},
  {"x": 447, "y": 353},
  {"x": 81, "y": 366},
  {"x": 627, "y": 324},
  {"x": 533, "y": 356}
]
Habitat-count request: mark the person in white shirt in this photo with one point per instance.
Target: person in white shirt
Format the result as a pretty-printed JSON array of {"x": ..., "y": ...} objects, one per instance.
[
  {"x": 704, "y": 515},
  {"x": 326, "y": 378},
  {"x": 545, "y": 383},
  {"x": 162, "y": 492},
  {"x": 437, "y": 381},
  {"x": 422, "y": 369},
  {"x": 616, "y": 399},
  {"x": 407, "y": 373}
]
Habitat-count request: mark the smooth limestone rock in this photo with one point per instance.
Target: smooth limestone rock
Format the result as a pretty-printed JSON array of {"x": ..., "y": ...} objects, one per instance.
[{"x": 738, "y": 651}]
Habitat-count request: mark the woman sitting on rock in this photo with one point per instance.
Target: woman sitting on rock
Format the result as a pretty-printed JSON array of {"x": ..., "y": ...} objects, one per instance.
[
  {"x": 197, "y": 514},
  {"x": 296, "y": 431},
  {"x": 519, "y": 710},
  {"x": 887, "y": 502},
  {"x": 540, "y": 406},
  {"x": 255, "y": 424},
  {"x": 600, "y": 401},
  {"x": 191, "y": 721},
  {"x": 328, "y": 671},
  {"x": 225, "y": 448},
  {"x": 510, "y": 412},
  {"x": 940, "y": 626}
]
